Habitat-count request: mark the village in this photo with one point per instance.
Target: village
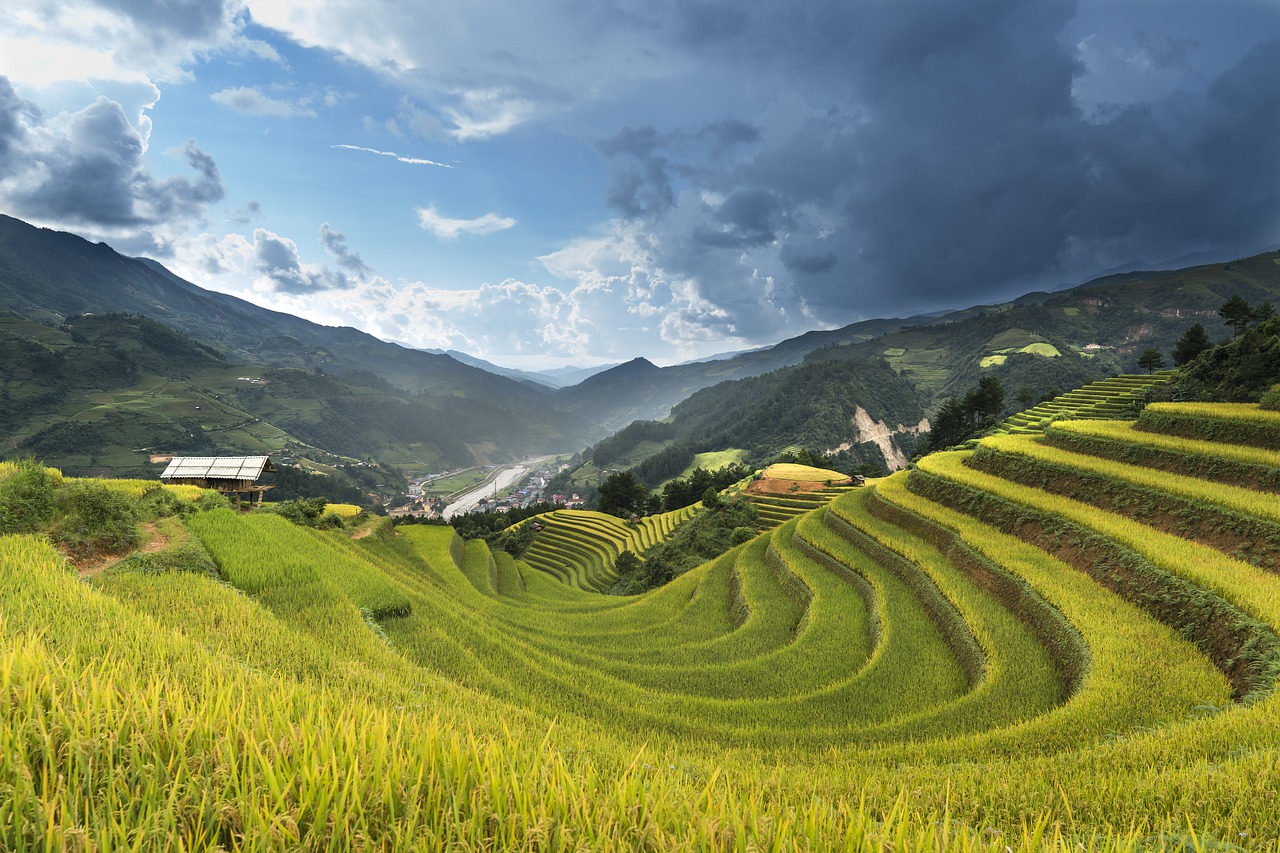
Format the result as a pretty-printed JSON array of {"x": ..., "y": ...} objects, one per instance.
[{"x": 428, "y": 500}]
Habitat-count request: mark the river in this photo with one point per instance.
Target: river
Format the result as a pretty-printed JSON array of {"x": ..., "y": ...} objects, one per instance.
[{"x": 504, "y": 478}]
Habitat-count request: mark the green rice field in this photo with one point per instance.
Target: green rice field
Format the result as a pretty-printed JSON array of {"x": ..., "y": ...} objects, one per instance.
[{"x": 1065, "y": 638}]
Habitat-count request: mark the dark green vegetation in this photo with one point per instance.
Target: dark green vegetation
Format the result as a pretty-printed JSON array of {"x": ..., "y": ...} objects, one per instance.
[
  {"x": 715, "y": 528},
  {"x": 102, "y": 387},
  {"x": 810, "y": 406},
  {"x": 1243, "y": 369},
  {"x": 1036, "y": 347},
  {"x": 961, "y": 418}
]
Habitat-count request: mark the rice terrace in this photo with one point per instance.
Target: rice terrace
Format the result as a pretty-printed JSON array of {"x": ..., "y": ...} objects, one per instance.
[{"x": 1065, "y": 639}]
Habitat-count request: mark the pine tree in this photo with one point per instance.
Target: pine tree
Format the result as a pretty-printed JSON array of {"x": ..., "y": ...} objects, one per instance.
[
  {"x": 1190, "y": 345},
  {"x": 1151, "y": 360},
  {"x": 1236, "y": 313}
]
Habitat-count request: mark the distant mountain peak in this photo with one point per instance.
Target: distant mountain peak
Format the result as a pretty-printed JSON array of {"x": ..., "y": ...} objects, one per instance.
[{"x": 637, "y": 365}]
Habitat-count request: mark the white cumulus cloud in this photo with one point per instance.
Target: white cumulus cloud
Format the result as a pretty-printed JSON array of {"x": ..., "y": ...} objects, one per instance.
[
  {"x": 446, "y": 228},
  {"x": 252, "y": 102}
]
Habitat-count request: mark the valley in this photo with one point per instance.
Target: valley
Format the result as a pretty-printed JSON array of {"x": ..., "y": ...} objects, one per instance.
[{"x": 1058, "y": 628}]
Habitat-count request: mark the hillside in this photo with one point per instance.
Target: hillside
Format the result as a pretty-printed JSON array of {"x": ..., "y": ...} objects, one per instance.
[
  {"x": 103, "y": 394},
  {"x": 943, "y": 354},
  {"x": 376, "y": 400},
  {"x": 957, "y": 657},
  {"x": 630, "y": 392},
  {"x": 419, "y": 410},
  {"x": 46, "y": 276},
  {"x": 861, "y": 408},
  {"x": 1098, "y": 328}
]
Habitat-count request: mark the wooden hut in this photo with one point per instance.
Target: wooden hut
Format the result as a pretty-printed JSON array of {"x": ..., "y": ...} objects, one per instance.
[{"x": 236, "y": 475}]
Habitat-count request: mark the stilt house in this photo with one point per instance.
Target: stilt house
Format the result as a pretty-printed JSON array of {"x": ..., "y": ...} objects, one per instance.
[{"x": 236, "y": 475}]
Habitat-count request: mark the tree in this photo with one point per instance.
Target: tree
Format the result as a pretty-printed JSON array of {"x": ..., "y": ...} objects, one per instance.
[
  {"x": 1264, "y": 312},
  {"x": 626, "y": 564},
  {"x": 622, "y": 494},
  {"x": 711, "y": 498},
  {"x": 1151, "y": 360},
  {"x": 986, "y": 402},
  {"x": 950, "y": 425},
  {"x": 1236, "y": 313},
  {"x": 1190, "y": 345}
]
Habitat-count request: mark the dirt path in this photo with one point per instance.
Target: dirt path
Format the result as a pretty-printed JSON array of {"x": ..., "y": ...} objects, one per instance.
[{"x": 156, "y": 541}]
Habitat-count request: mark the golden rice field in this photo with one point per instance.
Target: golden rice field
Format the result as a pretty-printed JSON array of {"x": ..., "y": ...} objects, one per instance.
[{"x": 1036, "y": 644}]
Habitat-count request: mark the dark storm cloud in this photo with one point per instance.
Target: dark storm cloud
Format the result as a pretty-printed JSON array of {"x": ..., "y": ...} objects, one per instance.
[
  {"x": 645, "y": 165},
  {"x": 747, "y": 218},
  {"x": 943, "y": 158},
  {"x": 807, "y": 261},
  {"x": 89, "y": 170},
  {"x": 14, "y": 114},
  {"x": 1190, "y": 172},
  {"x": 638, "y": 181}
]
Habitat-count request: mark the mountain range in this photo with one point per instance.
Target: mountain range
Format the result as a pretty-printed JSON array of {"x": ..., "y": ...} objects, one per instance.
[{"x": 94, "y": 378}]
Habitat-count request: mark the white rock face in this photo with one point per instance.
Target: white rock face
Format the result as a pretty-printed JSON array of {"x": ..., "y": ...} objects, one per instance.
[{"x": 868, "y": 429}]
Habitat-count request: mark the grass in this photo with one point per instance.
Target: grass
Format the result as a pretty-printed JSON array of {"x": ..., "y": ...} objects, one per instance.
[
  {"x": 803, "y": 473},
  {"x": 1114, "y": 397},
  {"x": 457, "y": 483},
  {"x": 715, "y": 459},
  {"x": 887, "y": 667}
]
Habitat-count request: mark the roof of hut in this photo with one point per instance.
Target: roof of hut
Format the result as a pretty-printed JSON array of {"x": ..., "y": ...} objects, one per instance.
[{"x": 217, "y": 468}]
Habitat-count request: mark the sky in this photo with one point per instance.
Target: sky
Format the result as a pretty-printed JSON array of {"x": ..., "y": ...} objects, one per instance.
[{"x": 587, "y": 181}]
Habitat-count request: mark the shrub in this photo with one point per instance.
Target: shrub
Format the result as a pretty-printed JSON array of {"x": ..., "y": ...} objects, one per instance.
[
  {"x": 1271, "y": 399},
  {"x": 95, "y": 520},
  {"x": 211, "y": 500},
  {"x": 28, "y": 498},
  {"x": 188, "y": 557}
]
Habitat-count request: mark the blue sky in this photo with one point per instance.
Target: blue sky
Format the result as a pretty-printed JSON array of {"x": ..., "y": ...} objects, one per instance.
[{"x": 579, "y": 182}]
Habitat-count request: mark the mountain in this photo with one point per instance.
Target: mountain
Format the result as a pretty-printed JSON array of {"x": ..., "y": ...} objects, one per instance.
[
  {"x": 863, "y": 410},
  {"x": 107, "y": 394},
  {"x": 569, "y": 375},
  {"x": 48, "y": 275},
  {"x": 558, "y": 377},
  {"x": 425, "y": 409},
  {"x": 473, "y": 416},
  {"x": 1094, "y": 329},
  {"x": 536, "y": 380},
  {"x": 1037, "y": 346}
]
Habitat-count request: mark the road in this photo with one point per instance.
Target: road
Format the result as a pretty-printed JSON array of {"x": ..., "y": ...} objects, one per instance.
[{"x": 501, "y": 480}]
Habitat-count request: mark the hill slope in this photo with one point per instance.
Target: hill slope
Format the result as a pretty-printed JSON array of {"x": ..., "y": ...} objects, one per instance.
[
  {"x": 958, "y": 658},
  {"x": 944, "y": 355},
  {"x": 47, "y": 276}
]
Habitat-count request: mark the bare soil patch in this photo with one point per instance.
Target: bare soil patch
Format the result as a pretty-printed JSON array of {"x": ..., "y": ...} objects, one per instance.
[{"x": 776, "y": 486}]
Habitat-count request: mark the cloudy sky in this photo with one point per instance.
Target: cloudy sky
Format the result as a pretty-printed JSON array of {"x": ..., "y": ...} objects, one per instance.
[{"x": 579, "y": 181}]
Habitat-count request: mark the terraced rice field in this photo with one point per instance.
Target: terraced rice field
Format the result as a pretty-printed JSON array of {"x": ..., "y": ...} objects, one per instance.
[
  {"x": 1032, "y": 644},
  {"x": 1106, "y": 399},
  {"x": 580, "y": 547}
]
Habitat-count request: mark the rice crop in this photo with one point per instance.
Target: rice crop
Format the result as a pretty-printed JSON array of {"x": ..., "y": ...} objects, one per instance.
[{"x": 935, "y": 662}]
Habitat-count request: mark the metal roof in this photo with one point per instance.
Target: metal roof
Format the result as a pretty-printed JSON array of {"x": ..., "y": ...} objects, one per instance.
[{"x": 217, "y": 468}]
